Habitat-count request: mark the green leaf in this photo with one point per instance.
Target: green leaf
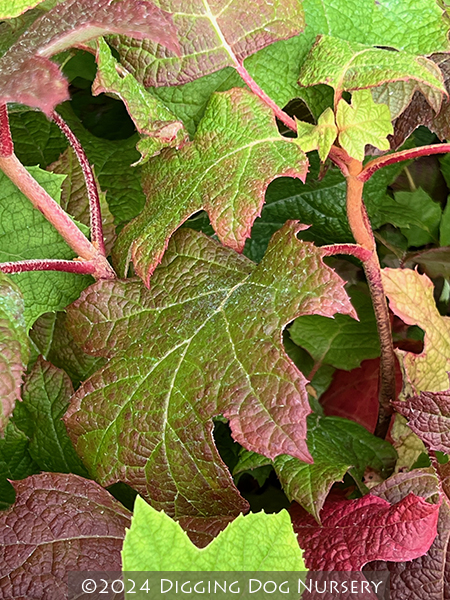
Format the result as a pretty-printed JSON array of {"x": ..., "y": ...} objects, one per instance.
[
  {"x": 363, "y": 122},
  {"x": 237, "y": 142},
  {"x": 209, "y": 39},
  {"x": 160, "y": 128},
  {"x": 75, "y": 199},
  {"x": 338, "y": 446},
  {"x": 256, "y": 542},
  {"x": 349, "y": 66},
  {"x": 112, "y": 160},
  {"x": 444, "y": 227},
  {"x": 37, "y": 141},
  {"x": 318, "y": 137},
  {"x": 341, "y": 342},
  {"x": 13, "y": 8},
  {"x": 52, "y": 339},
  {"x": 411, "y": 298},
  {"x": 46, "y": 397},
  {"x": 415, "y": 213},
  {"x": 26, "y": 234},
  {"x": 14, "y": 351},
  {"x": 205, "y": 340}
]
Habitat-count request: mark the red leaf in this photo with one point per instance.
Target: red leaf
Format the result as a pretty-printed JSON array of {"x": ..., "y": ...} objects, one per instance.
[
  {"x": 29, "y": 77},
  {"x": 59, "y": 523},
  {"x": 354, "y": 394},
  {"x": 355, "y": 532}
]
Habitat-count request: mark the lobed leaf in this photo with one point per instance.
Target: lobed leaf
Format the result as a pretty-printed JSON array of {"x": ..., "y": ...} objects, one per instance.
[
  {"x": 355, "y": 532},
  {"x": 167, "y": 379},
  {"x": 349, "y": 66},
  {"x": 14, "y": 350},
  {"x": 40, "y": 543},
  {"x": 411, "y": 298},
  {"x": 237, "y": 143},
  {"x": 318, "y": 137},
  {"x": 29, "y": 77},
  {"x": 256, "y": 542},
  {"x": 26, "y": 234},
  {"x": 160, "y": 128},
  {"x": 212, "y": 35},
  {"x": 362, "y": 122}
]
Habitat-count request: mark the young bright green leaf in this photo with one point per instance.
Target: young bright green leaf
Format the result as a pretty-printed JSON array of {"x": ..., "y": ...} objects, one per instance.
[
  {"x": 408, "y": 445},
  {"x": 160, "y": 128},
  {"x": 255, "y": 542},
  {"x": 14, "y": 351},
  {"x": 75, "y": 199},
  {"x": 318, "y": 137},
  {"x": 341, "y": 342},
  {"x": 348, "y": 66},
  {"x": 411, "y": 298},
  {"x": 337, "y": 446},
  {"x": 416, "y": 214},
  {"x": 205, "y": 340},
  {"x": 236, "y": 152},
  {"x": 46, "y": 397},
  {"x": 212, "y": 35},
  {"x": 363, "y": 122},
  {"x": 26, "y": 234},
  {"x": 13, "y": 8}
]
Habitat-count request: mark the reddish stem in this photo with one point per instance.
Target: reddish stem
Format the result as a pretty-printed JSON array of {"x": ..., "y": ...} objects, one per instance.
[
  {"x": 6, "y": 143},
  {"x": 378, "y": 163},
  {"x": 91, "y": 186},
  {"x": 353, "y": 249},
  {"x": 82, "y": 267},
  {"x": 284, "y": 118}
]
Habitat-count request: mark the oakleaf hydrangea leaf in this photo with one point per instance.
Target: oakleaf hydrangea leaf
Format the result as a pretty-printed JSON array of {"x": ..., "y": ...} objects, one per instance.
[
  {"x": 337, "y": 446},
  {"x": 13, "y": 8},
  {"x": 236, "y": 152},
  {"x": 411, "y": 298},
  {"x": 363, "y": 122},
  {"x": 408, "y": 445},
  {"x": 152, "y": 118},
  {"x": 26, "y": 234},
  {"x": 212, "y": 35},
  {"x": 429, "y": 417},
  {"x": 355, "y": 532},
  {"x": 14, "y": 349},
  {"x": 348, "y": 66},
  {"x": 40, "y": 543},
  {"x": 74, "y": 196},
  {"x": 205, "y": 340},
  {"x": 318, "y": 137},
  {"x": 255, "y": 542},
  {"x": 29, "y": 77}
]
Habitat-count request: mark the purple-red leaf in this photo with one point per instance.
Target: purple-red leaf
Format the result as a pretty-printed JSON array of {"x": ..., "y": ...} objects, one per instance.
[
  {"x": 59, "y": 523},
  {"x": 205, "y": 340},
  {"x": 29, "y": 77},
  {"x": 355, "y": 532},
  {"x": 429, "y": 417},
  {"x": 213, "y": 34}
]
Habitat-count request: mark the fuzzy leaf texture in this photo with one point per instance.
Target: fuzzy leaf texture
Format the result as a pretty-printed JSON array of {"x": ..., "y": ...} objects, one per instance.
[
  {"x": 29, "y": 77},
  {"x": 318, "y": 137},
  {"x": 26, "y": 234},
  {"x": 212, "y": 35},
  {"x": 256, "y": 542},
  {"x": 205, "y": 340},
  {"x": 411, "y": 298},
  {"x": 14, "y": 350},
  {"x": 160, "y": 128},
  {"x": 40, "y": 543},
  {"x": 363, "y": 122},
  {"x": 348, "y": 66},
  {"x": 355, "y": 532},
  {"x": 236, "y": 152}
]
